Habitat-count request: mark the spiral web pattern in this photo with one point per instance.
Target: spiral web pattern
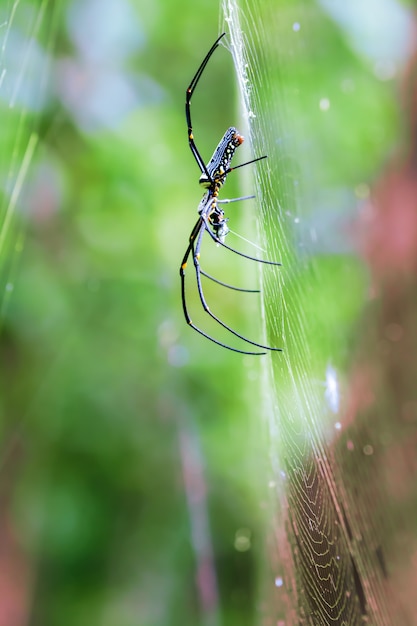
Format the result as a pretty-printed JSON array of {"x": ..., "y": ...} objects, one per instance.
[{"x": 327, "y": 580}]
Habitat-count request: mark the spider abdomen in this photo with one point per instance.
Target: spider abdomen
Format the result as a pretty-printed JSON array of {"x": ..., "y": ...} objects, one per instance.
[{"x": 219, "y": 163}]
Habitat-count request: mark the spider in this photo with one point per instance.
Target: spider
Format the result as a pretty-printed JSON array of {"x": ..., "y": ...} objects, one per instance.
[{"x": 211, "y": 217}]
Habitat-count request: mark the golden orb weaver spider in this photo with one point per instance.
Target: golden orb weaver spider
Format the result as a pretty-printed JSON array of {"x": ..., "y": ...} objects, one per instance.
[{"x": 211, "y": 218}]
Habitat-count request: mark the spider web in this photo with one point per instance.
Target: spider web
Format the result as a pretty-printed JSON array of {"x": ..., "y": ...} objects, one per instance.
[{"x": 318, "y": 574}]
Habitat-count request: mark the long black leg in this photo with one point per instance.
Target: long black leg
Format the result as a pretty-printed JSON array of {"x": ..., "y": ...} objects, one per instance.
[
  {"x": 196, "y": 255},
  {"x": 220, "y": 282},
  {"x": 188, "y": 96},
  {"x": 236, "y": 167},
  {"x": 198, "y": 228}
]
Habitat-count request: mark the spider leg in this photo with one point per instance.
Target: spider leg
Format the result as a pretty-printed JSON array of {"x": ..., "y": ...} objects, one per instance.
[
  {"x": 202, "y": 67},
  {"x": 197, "y": 230},
  {"x": 196, "y": 256},
  {"x": 246, "y": 256},
  {"x": 236, "y": 167},
  {"x": 219, "y": 282},
  {"x": 188, "y": 96},
  {"x": 229, "y": 200}
]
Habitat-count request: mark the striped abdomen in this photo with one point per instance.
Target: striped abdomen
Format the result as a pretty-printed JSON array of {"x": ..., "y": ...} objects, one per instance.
[{"x": 222, "y": 158}]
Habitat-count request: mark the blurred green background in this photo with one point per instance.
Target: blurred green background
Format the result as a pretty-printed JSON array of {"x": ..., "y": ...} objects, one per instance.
[{"x": 134, "y": 472}]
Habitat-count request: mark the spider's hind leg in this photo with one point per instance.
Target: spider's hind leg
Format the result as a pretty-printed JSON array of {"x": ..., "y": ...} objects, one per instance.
[
  {"x": 220, "y": 282},
  {"x": 196, "y": 258}
]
